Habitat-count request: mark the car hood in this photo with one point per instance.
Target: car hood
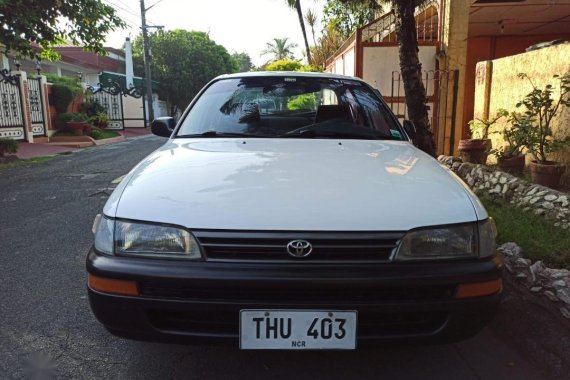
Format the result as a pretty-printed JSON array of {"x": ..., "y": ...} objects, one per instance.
[{"x": 293, "y": 185}]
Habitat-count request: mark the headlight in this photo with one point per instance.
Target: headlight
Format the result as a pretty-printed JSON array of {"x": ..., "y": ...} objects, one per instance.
[
  {"x": 103, "y": 228},
  {"x": 438, "y": 243},
  {"x": 145, "y": 239},
  {"x": 487, "y": 236},
  {"x": 454, "y": 242}
]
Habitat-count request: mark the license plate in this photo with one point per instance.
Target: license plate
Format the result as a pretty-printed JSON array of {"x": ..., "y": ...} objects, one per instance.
[{"x": 297, "y": 330}]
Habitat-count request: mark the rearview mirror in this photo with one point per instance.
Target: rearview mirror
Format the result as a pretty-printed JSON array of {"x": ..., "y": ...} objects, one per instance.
[
  {"x": 410, "y": 128},
  {"x": 163, "y": 126}
]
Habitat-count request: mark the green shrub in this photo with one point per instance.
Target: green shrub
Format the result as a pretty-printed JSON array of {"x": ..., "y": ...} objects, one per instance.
[
  {"x": 288, "y": 65},
  {"x": 303, "y": 102},
  {"x": 62, "y": 96},
  {"x": 96, "y": 133},
  {"x": 64, "y": 90},
  {"x": 73, "y": 83},
  {"x": 100, "y": 119},
  {"x": 8, "y": 146},
  {"x": 91, "y": 108}
]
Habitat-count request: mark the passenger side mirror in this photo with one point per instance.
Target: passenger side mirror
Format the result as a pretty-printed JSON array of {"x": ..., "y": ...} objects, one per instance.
[
  {"x": 163, "y": 126},
  {"x": 410, "y": 128}
]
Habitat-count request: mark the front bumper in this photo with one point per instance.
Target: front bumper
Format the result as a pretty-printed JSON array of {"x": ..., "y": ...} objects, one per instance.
[{"x": 195, "y": 302}]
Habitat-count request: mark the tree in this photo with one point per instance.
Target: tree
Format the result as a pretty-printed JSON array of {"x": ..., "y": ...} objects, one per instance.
[
  {"x": 280, "y": 48},
  {"x": 346, "y": 16},
  {"x": 311, "y": 18},
  {"x": 244, "y": 62},
  {"x": 296, "y": 4},
  {"x": 183, "y": 62},
  {"x": 326, "y": 46},
  {"x": 410, "y": 68},
  {"x": 52, "y": 22},
  {"x": 287, "y": 65}
]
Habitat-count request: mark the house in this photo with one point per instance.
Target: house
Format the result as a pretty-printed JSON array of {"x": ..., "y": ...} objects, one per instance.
[
  {"x": 453, "y": 37},
  {"x": 25, "y": 112}
]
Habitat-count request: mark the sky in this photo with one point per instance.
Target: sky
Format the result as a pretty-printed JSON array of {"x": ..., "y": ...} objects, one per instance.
[{"x": 238, "y": 25}]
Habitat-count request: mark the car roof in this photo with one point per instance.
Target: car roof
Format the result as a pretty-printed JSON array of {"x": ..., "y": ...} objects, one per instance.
[{"x": 287, "y": 73}]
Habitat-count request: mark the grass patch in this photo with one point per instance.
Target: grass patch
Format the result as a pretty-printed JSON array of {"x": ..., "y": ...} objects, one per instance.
[
  {"x": 538, "y": 237},
  {"x": 25, "y": 162},
  {"x": 104, "y": 135}
]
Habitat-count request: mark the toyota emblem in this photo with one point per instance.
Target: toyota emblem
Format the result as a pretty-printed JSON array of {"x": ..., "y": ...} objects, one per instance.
[{"x": 299, "y": 248}]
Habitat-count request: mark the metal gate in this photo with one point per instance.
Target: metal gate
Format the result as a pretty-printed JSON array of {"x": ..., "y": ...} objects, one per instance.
[
  {"x": 113, "y": 103},
  {"x": 110, "y": 95},
  {"x": 440, "y": 88},
  {"x": 35, "y": 94},
  {"x": 11, "y": 114}
]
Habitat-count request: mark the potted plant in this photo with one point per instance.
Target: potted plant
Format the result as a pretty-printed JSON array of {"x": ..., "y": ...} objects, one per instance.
[
  {"x": 510, "y": 157},
  {"x": 541, "y": 108},
  {"x": 78, "y": 124},
  {"x": 100, "y": 120},
  {"x": 477, "y": 148}
]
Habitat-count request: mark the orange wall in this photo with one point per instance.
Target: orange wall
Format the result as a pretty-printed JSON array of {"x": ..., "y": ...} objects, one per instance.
[{"x": 486, "y": 48}]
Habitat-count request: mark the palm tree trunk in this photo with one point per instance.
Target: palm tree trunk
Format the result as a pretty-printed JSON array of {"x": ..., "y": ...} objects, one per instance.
[
  {"x": 313, "y": 32},
  {"x": 301, "y": 21},
  {"x": 411, "y": 69}
]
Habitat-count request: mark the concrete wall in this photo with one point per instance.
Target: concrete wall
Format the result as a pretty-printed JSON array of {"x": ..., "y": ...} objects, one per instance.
[
  {"x": 488, "y": 48},
  {"x": 506, "y": 89},
  {"x": 380, "y": 61},
  {"x": 379, "y": 64},
  {"x": 350, "y": 63},
  {"x": 345, "y": 63}
]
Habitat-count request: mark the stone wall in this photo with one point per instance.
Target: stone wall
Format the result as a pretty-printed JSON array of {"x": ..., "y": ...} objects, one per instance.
[
  {"x": 550, "y": 283},
  {"x": 541, "y": 200}
]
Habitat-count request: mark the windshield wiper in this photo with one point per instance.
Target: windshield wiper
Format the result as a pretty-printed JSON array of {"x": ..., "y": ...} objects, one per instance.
[
  {"x": 219, "y": 134},
  {"x": 312, "y": 133}
]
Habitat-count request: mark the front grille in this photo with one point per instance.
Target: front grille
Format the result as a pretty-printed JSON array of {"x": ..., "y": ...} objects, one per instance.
[
  {"x": 270, "y": 246},
  {"x": 307, "y": 295},
  {"x": 370, "y": 324}
]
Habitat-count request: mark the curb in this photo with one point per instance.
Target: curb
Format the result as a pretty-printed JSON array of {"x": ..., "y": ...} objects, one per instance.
[{"x": 112, "y": 140}]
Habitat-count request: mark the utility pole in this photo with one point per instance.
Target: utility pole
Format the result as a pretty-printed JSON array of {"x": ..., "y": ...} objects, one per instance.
[{"x": 146, "y": 55}]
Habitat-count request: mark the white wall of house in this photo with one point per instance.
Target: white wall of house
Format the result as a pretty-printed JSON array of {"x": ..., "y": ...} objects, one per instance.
[
  {"x": 160, "y": 108},
  {"x": 379, "y": 63},
  {"x": 350, "y": 63},
  {"x": 345, "y": 63},
  {"x": 5, "y": 64}
]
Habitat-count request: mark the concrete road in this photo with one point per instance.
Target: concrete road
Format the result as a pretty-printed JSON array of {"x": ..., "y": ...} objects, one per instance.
[{"x": 47, "y": 329}]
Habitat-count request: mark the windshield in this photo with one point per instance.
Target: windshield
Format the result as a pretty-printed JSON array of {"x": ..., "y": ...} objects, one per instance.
[{"x": 292, "y": 106}]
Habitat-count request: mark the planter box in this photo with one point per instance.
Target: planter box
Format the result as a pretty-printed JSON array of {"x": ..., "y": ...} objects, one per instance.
[{"x": 79, "y": 128}]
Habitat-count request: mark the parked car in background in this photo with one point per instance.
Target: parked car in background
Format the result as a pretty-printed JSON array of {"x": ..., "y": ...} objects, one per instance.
[{"x": 292, "y": 211}]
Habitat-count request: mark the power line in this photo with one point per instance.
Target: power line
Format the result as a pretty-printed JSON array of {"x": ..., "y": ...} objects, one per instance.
[
  {"x": 128, "y": 7},
  {"x": 130, "y": 22},
  {"x": 122, "y": 8}
]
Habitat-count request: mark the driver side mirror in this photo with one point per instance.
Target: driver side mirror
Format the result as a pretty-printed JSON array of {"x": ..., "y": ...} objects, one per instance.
[
  {"x": 163, "y": 126},
  {"x": 410, "y": 128}
]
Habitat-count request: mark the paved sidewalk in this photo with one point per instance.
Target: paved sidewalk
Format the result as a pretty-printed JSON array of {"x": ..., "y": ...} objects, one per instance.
[{"x": 27, "y": 150}]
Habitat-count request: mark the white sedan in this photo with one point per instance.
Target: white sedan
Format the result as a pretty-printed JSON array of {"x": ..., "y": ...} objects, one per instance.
[{"x": 292, "y": 211}]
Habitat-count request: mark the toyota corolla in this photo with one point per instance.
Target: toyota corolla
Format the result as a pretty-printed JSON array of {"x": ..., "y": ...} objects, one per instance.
[{"x": 292, "y": 211}]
